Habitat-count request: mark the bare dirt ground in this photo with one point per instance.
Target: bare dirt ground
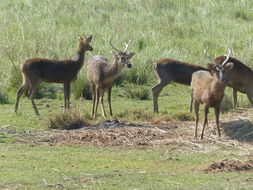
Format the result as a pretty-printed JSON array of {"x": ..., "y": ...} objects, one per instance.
[
  {"x": 236, "y": 126},
  {"x": 227, "y": 165}
]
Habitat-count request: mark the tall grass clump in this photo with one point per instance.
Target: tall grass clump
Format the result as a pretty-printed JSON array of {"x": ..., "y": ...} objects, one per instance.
[
  {"x": 4, "y": 99},
  {"x": 67, "y": 119},
  {"x": 81, "y": 88},
  {"x": 227, "y": 103},
  {"x": 138, "y": 92},
  {"x": 140, "y": 73}
]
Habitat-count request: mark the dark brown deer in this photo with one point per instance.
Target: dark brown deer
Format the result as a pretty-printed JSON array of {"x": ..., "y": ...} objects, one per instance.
[
  {"x": 101, "y": 75},
  {"x": 208, "y": 89},
  {"x": 36, "y": 70},
  {"x": 169, "y": 70},
  {"x": 240, "y": 78}
]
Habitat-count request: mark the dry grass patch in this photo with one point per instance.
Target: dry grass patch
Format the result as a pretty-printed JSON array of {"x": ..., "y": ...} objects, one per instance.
[{"x": 67, "y": 119}]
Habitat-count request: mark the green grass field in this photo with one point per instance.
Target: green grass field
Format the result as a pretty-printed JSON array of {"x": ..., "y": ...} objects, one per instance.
[{"x": 160, "y": 28}]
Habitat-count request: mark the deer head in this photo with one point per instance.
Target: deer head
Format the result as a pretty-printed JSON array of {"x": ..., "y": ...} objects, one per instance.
[
  {"x": 122, "y": 57},
  {"x": 221, "y": 71},
  {"x": 84, "y": 42}
]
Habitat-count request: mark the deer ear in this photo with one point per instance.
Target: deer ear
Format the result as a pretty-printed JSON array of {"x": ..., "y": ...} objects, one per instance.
[
  {"x": 89, "y": 39},
  {"x": 80, "y": 38},
  {"x": 130, "y": 55},
  {"x": 113, "y": 53},
  {"x": 229, "y": 66},
  {"x": 211, "y": 66}
]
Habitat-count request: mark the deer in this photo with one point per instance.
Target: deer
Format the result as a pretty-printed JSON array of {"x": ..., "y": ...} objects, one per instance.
[
  {"x": 208, "y": 89},
  {"x": 239, "y": 78},
  {"x": 101, "y": 75},
  {"x": 169, "y": 70},
  {"x": 36, "y": 70}
]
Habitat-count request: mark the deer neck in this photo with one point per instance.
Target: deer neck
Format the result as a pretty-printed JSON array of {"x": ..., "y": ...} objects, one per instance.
[
  {"x": 114, "y": 68},
  {"x": 218, "y": 85},
  {"x": 80, "y": 56}
]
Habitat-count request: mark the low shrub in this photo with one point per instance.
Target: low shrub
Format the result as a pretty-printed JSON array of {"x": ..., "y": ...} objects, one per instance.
[{"x": 67, "y": 119}]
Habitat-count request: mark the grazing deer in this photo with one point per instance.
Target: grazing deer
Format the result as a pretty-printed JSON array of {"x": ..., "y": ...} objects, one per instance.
[
  {"x": 240, "y": 78},
  {"x": 208, "y": 89},
  {"x": 167, "y": 71},
  {"x": 101, "y": 75},
  {"x": 36, "y": 70}
]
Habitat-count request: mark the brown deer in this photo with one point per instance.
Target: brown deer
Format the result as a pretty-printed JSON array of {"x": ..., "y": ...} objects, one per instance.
[
  {"x": 240, "y": 78},
  {"x": 208, "y": 89},
  {"x": 101, "y": 75},
  {"x": 169, "y": 70},
  {"x": 36, "y": 70}
]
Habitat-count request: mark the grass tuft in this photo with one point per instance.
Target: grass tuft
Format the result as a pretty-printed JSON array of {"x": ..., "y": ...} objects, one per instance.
[
  {"x": 69, "y": 119},
  {"x": 183, "y": 116}
]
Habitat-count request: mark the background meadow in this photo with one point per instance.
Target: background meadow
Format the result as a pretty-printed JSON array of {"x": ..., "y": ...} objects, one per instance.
[{"x": 176, "y": 29}]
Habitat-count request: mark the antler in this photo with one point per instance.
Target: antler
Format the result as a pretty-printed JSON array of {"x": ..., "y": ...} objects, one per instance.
[
  {"x": 209, "y": 58},
  {"x": 110, "y": 41},
  {"x": 127, "y": 45},
  {"x": 229, "y": 52}
]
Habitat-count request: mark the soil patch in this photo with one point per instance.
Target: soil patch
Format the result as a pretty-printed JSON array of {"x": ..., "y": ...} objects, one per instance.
[{"x": 227, "y": 166}]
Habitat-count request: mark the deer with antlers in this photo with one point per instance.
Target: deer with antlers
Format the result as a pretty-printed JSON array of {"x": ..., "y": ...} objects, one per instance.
[
  {"x": 101, "y": 75},
  {"x": 36, "y": 70},
  {"x": 208, "y": 89},
  {"x": 169, "y": 70},
  {"x": 239, "y": 78}
]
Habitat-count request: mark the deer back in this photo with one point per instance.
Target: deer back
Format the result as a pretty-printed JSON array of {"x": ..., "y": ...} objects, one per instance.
[{"x": 180, "y": 72}]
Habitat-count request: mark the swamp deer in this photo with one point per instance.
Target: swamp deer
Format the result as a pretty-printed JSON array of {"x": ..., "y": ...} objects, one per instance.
[
  {"x": 36, "y": 70},
  {"x": 208, "y": 89},
  {"x": 101, "y": 75},
  {"x": 169, "y": 70},
  {"x": 240, "y": 78}
]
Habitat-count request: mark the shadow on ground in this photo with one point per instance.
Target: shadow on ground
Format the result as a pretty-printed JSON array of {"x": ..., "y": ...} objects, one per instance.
[{"x": 240, "y": 130}]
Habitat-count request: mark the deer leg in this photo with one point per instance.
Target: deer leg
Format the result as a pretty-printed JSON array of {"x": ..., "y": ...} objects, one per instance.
[
  {"x": 196, "y": 109},
  {"x": 205, "y": 121},
  {"x": 20, "y": 92},
  {"x": 66, "y": 94},
  {"x": 217, "y": 115},
  {"x": 97, "y": 92},
  {"x": 34, "y": 86},
  {"x": 250, "y": 97},
  {"x": 102, "y": 102},
  {"x": 156, "y": 90},
  {"x": 191, "y": 101},
  {"x": 234, "y": 98},
  {"x": 94, "y": 98},
  {"x": 109, "y": 99}
]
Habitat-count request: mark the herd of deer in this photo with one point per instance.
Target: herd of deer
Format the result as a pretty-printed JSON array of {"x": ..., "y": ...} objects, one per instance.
[{"x": 207, "y": 84}]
